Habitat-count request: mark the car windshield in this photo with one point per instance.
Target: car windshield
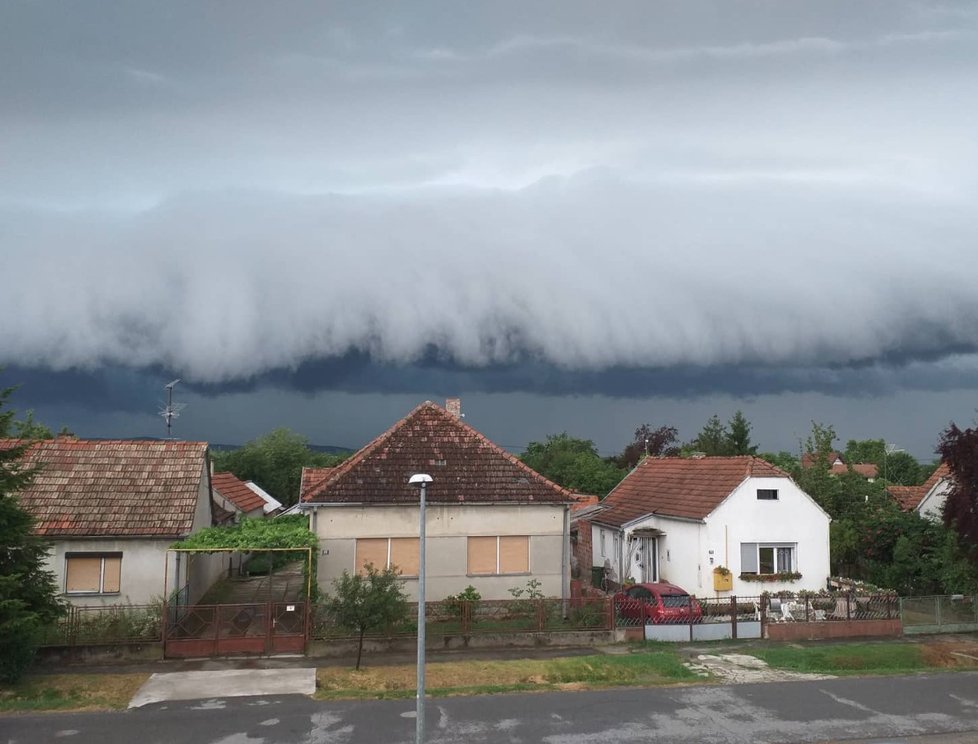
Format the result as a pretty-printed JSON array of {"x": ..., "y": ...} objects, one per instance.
[{"x": 675, "y": 600}]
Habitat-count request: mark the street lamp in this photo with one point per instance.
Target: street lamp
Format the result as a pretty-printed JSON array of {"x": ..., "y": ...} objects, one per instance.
[{"x": 422, "y": 480}]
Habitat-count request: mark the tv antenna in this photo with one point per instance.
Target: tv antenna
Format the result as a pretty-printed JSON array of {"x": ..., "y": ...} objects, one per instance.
[{"x": 171, "y": 410}]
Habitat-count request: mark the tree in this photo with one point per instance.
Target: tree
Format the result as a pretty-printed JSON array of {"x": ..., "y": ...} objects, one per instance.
[
  {"x": 573, "y": 463},
  {"x": 368, "y": 601},
  {"x": 784, "y": 460},
  {"x": 713, "y": 439},
  {"x": 959, "y": 450},
  {"x": 660, "y": 442},
  {"x": 895, "y": 466},
  {"x": 274, "y": 461},
  {"x": 28, "y": 592},
  {"x": 738, "y": 436}
]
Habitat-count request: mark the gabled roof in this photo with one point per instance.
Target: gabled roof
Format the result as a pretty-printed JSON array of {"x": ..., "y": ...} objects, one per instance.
[
  {"x": 310, "y": 479},
  {"x": 464, "y": 465},
  {"x": 272, "y": 504},
  {"x": 683, "y": 487},
  {"x": 865, "y": 469},
  {"x": 237, "y": 492},
  {"x": 910, "y": 497},
  {"x": 109, "y": 488}
]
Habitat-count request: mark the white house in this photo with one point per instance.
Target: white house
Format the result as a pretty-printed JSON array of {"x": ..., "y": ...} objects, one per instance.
[
  {"x": 927, "y": 500},
  {"x": 111, "y": 509},
  {"x": 678, "y": 519}
]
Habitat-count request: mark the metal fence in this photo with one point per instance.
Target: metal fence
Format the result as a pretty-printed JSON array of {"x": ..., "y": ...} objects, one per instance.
[
  {"x": 473, "y": 617},
  {"x": 953, "y": 613},
  {"x": 114, "y": 624}
]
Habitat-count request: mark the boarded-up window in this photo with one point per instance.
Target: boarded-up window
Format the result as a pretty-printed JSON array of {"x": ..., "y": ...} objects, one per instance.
[
  {"x": 93, "y": 574},
  {"x": 514, "y": 554},
  {"x": 372, "y": 550},
  {"x": 509, "y": 554},
  {"x": 404, "y": 555},
  {"x": 482, "y": 555}
]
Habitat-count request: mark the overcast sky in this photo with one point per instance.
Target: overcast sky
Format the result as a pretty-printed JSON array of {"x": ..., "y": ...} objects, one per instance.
[{"x": 576, "y": 217}]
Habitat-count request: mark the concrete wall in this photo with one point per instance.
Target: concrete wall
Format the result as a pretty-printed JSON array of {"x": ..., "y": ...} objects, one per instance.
[
  {"x": 834, "y": 629},
  {"x": 448, "y": 526}
]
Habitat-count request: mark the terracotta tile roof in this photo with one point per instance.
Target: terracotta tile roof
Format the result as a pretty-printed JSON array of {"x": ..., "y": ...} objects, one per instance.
[
  {"x": 680, "y": 487},
  {"x": 865, "y": 469},
  {"x": 909, "y": 497},
  {"x": 110, "y": 488},
  {"x": 311, "y": 478},
  {"x": 237, "y": 492},
  {"x": 808, "y": 459},
  {"x": 464, "y": 465}
]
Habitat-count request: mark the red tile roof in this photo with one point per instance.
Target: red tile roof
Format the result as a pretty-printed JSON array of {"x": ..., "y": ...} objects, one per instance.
[
  {"x": 909, "y": 497},
  {"x": 464, "y": 465},
  {"x": 236, "y": 492},
  {"x": 311, "y": 478},
  {"x": 111, "y": 488},
  {"x": 680, "y": 487},
  {"x": 865, "y": 469}
]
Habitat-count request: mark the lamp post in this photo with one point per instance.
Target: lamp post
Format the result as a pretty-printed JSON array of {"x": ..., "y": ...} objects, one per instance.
[{"x": 422, "y": 480}]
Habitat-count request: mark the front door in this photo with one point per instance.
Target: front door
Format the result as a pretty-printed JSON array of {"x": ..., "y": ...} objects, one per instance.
[{"x": 650, "y": 560}]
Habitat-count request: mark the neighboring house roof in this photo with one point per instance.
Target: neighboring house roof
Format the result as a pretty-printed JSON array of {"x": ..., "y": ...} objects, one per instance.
[
  {"x": 271, "y": 503},
  {"x": 910, "y": 497},
  {"x": 865, "y": 469},
  {"x": 311, "y": 478},
  {"x": 689, "y": 488},
  {"x": 114, "y": 488},
  {"x": 465, "y": 467},
  {"x": 237, "y": 492},
  {"x": 833, "y": 458}
]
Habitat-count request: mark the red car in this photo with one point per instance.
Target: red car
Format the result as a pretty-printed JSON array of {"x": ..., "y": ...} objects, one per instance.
[{"x": 659, "y": 603}]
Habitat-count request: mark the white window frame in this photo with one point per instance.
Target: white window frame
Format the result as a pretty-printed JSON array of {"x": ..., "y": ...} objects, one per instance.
[
  {"x": 775, "y": 546},
  {"x": 101, "y": 572}
]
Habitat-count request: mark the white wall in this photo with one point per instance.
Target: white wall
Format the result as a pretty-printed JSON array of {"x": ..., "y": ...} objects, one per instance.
[
  {"x": 678, "y": 552},
  {"x": 932, "y": 505},
  {"x": 447, "y": 528}
]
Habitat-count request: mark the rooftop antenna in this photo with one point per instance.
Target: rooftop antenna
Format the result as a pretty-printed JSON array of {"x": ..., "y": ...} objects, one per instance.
[{"x": 171, "y": 410}]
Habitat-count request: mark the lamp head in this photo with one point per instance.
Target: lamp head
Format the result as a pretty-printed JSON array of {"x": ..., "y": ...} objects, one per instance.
[{"x": 419, "y": 479}]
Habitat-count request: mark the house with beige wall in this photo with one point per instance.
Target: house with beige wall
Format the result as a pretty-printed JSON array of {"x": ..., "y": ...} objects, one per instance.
[
  {"x": 111, "y": 509},
  {"x": 491, "y": 521}
]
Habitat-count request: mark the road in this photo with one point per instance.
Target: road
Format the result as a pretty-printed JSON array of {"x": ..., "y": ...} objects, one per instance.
[{"x": 881, "y": 709}]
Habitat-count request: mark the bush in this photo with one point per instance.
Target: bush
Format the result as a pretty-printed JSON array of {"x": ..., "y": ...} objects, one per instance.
[{"x": 453, "y": 603}]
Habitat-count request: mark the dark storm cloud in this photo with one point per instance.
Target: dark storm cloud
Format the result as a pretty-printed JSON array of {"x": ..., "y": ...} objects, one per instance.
[{"x": 671, "y": 199}]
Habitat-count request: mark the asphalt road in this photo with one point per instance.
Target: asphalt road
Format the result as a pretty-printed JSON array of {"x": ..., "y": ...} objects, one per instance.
[{"x": 881, "y": 709}]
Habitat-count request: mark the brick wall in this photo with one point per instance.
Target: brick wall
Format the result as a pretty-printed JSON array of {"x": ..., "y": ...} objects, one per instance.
[
  {"x": 834, "y": 629},
  {"x": 583, "y": 551}
]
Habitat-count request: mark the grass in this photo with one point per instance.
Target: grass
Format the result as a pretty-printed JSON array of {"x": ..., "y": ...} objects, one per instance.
[
  {"x": 485, "y": 677},
  {"x": 851, "y": 658},
  {"x": 70, "y": 692}
]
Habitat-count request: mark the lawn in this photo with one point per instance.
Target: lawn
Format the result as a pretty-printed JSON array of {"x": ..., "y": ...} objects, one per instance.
[
  {"x": 850, "y": 658},
  {"x": 70, "y": 692},
  {"x": 481, "y": 677}
]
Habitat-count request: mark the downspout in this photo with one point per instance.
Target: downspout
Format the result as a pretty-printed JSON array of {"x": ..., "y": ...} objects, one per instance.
[
  {"x": 565, "y": 561},
  {"x": 621, "y": 557}
]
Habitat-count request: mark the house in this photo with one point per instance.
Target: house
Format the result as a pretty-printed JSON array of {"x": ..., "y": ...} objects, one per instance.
[
  {"x": 111, "y": 509},
  {"x": 928, "y": 499},
  {"x": 492, "y": 522},
  {"x": 838, "y": 466},
  {"x": 272, "y": 505},
  {"x": 677, "y": 519},
  {"x": 233, "y": 496}
]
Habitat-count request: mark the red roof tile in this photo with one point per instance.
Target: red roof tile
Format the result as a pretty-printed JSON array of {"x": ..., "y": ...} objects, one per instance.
[
  {"x": 909, "y": 497},
  {"x": 464, "y": 465},
  {"x": 236, "y": 492},
  {"x": 110, "y": 488},
  {"x": 311, "y": 478},
  {"x": 680, "y": 487}
]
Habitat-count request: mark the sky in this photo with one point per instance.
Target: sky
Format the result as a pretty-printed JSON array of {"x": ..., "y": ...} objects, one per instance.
[{"x": 575, "y": 217}]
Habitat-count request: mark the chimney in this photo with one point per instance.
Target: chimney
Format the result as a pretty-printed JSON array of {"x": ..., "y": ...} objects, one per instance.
[{"x": 454, "y": 407}]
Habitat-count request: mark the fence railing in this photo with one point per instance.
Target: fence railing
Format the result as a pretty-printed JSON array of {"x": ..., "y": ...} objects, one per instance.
[
  {"x": 930, "y": 613},
  {"x": 91, "y": 626},
  {"x": 473, "y": 617}
]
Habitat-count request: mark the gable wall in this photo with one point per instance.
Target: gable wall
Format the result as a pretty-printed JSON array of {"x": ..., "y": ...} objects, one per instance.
[
  {"x": 932, "y": 505},
  {"x": 447, "y": 528}
]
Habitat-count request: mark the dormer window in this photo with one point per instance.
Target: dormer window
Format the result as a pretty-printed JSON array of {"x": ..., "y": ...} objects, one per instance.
[{"x": 767, "y": 494}]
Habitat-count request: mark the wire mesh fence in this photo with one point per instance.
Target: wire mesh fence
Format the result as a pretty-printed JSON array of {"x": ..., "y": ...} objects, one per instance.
[
  {"x": 114, "y": 624},
  {"x": 939, "y": 611}
]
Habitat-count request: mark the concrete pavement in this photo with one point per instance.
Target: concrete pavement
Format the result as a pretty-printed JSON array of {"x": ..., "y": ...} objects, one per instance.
[{"x": 224, "y": 684}]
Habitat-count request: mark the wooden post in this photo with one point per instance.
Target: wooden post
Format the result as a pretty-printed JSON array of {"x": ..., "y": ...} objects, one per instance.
[{"x": 733, "y": 616}]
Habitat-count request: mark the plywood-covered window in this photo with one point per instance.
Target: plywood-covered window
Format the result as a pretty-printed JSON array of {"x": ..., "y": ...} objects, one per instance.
[
  {"x": 92, "y": 573},
  {"x": 384, "y": 552},
  {"x": 506, "y": 554}
]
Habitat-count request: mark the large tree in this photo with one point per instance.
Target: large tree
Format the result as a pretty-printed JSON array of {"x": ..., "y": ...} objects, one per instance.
[
  {"x": 713, "y": 439},
  {"x": 662, "y": 441},
  {"x": 274, "y": 461},
  {"x": 959, "y": 450},
  {"x": 28, "y": 592},
  {"x": 738, "y": 435},
  {"x": 573, "y": 463}
]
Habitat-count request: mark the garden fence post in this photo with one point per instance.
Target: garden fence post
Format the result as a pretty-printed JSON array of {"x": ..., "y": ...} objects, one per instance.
[
  {"x": 940, "y": 618},
  {"x": 850, "y": 598},
  {"x": 733, "y": 616},
  {"x": 466, "y": 616},
  {"x": 610, "y": 612},
  {"x": 690, "y": 615},
  {"x": 541, "y": 615}
]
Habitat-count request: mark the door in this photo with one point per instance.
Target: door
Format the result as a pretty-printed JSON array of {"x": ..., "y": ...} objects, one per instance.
[{"x": 650, "y": 560}]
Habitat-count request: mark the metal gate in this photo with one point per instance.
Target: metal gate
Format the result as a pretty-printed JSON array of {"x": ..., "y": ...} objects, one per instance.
[{"x": 224, "y": 630}]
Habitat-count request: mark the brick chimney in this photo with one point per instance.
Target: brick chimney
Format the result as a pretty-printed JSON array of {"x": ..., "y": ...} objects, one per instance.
[{"x": 454, "y": 407}]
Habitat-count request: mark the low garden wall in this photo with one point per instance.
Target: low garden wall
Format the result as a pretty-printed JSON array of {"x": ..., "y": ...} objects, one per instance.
[{"x": 816, "y": 631}]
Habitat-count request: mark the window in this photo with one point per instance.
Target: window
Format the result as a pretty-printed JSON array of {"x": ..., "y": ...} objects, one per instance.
[
  {"x": 604, "y": 551},
  {"x": 767, "y": 494},
  {"x": 384, "y": 552},
  {"x": 88, "y": 573},
  {"x": 509, "y": 554},
  {"x": 767, "y": 558}
]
